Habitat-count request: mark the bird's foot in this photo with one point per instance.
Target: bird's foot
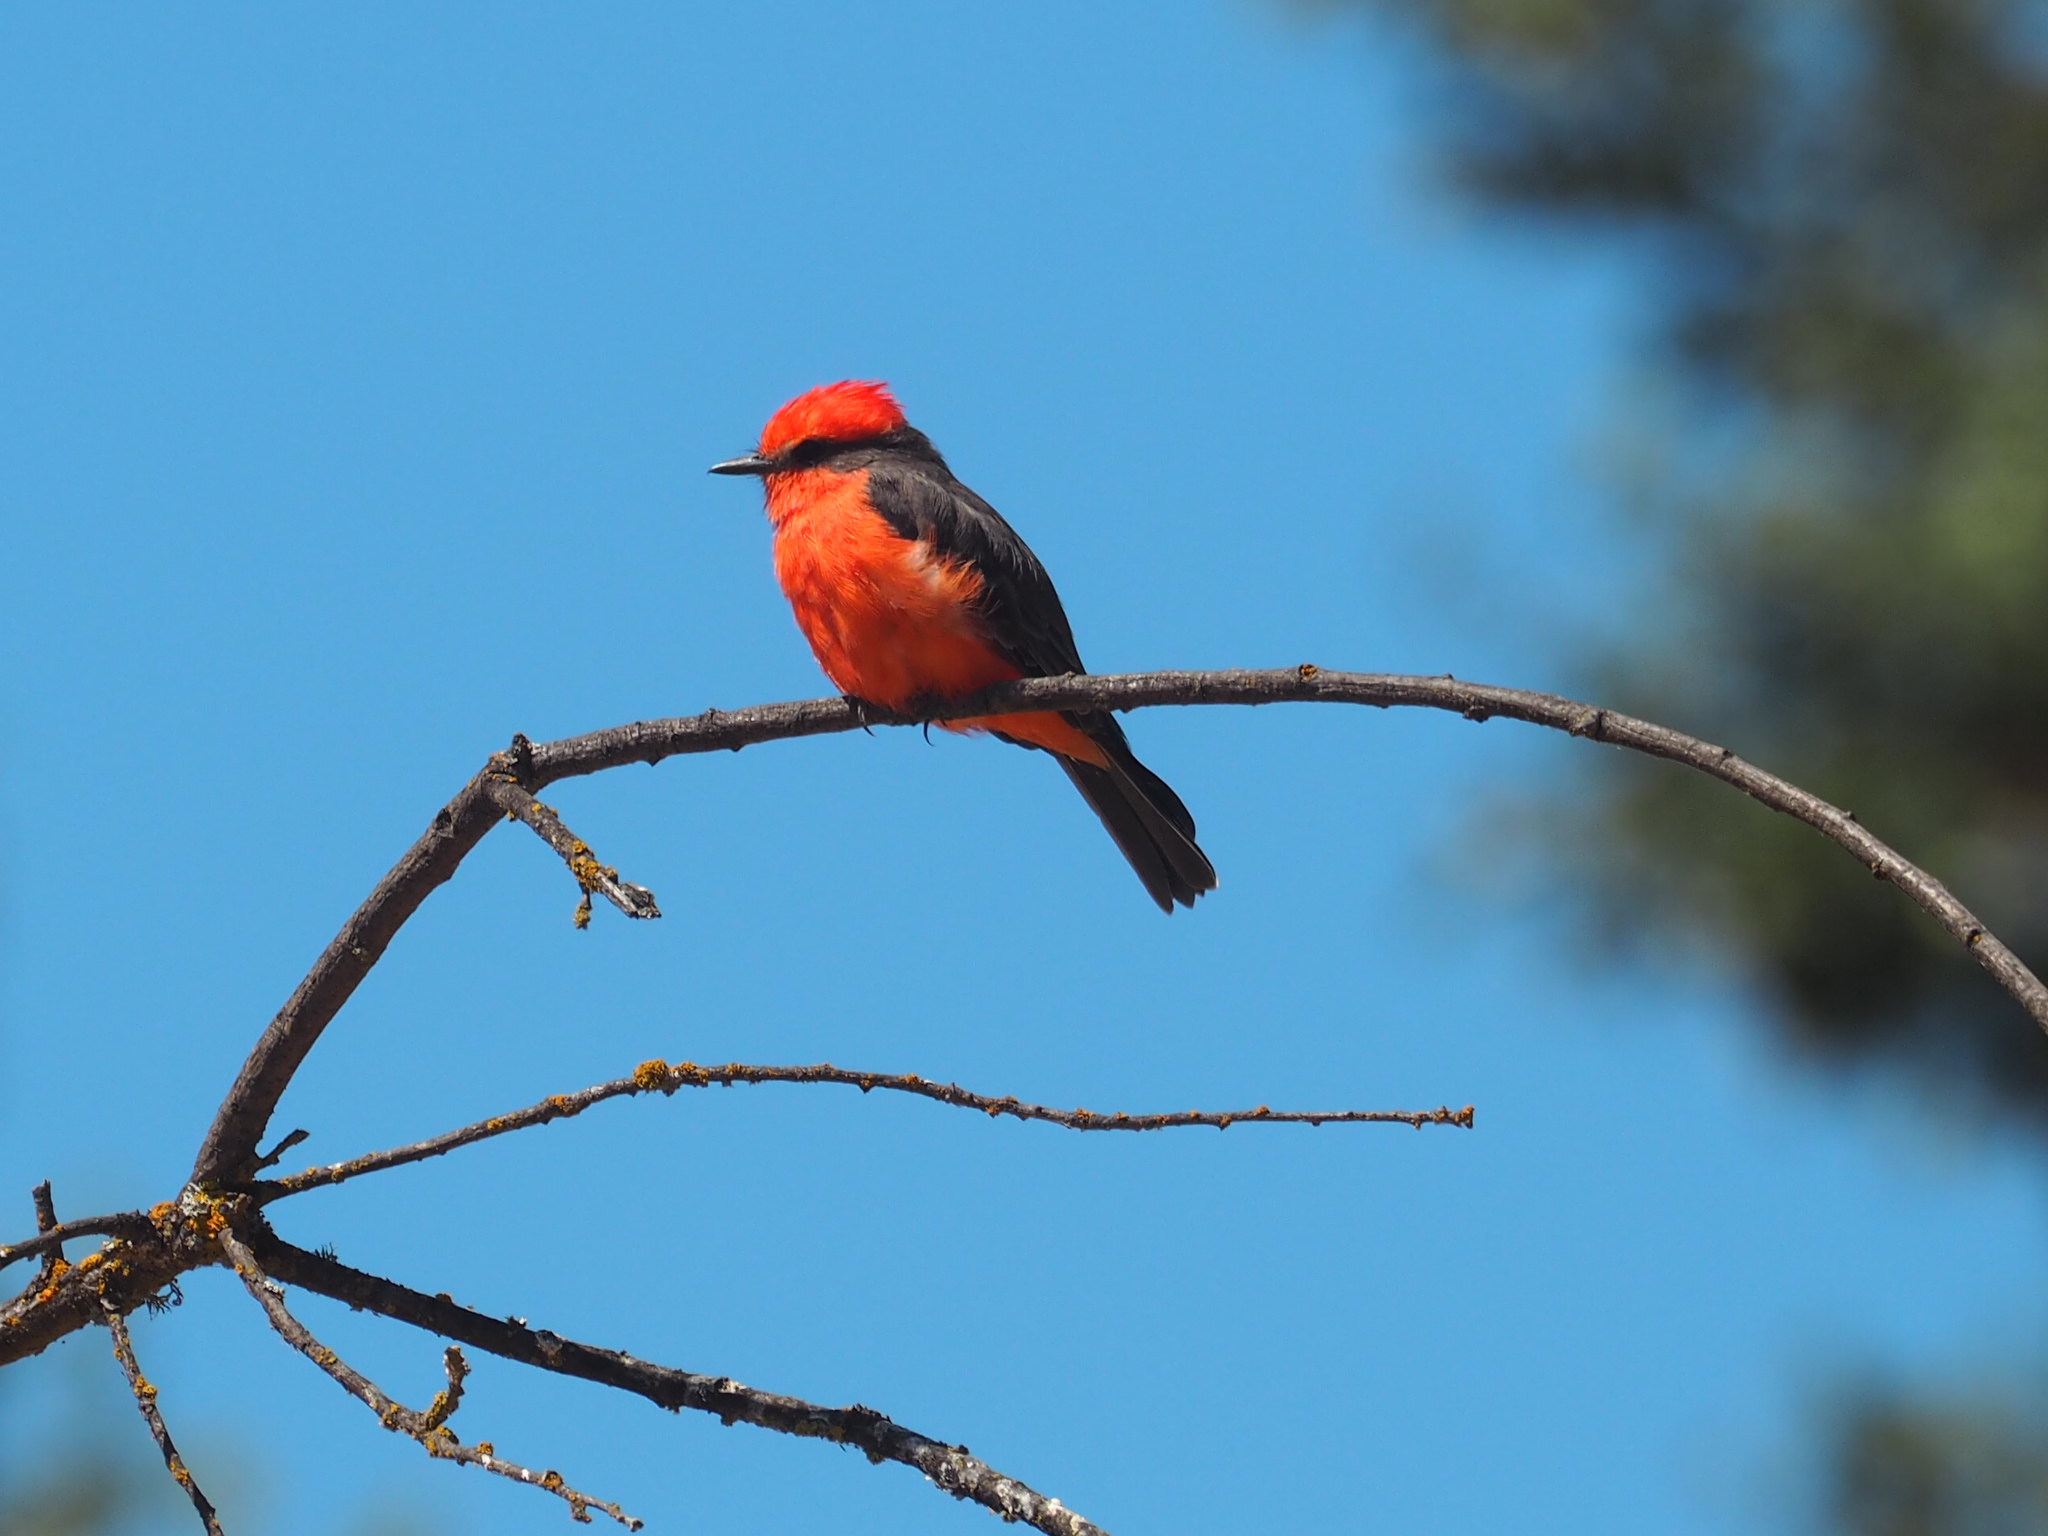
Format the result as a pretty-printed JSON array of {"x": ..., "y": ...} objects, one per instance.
[{"x": 870, "y": 714}]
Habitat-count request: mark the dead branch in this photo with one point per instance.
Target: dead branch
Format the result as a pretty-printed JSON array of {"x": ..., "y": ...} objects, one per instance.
[
  {"x": 951, "y": 1467},
  {"x": 591, "y": 876},
  {"x": 145, "y": 1399},
  {"x": 50, "y": 1241},
  {"x": 428, "y": 1428},
  {"x": 228, "y": 1153},
  {"x": 146, "y": 1251},
  {"x": 660, "y": 1077}
]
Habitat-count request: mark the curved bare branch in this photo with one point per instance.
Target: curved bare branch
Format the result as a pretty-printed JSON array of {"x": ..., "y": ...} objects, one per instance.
[
  {"x": 660, "y": 1077},
  {"x": 228, "y": 1154},
  {"x": 52, "y": 1239},
  {"x": 148, "y": 1250}
]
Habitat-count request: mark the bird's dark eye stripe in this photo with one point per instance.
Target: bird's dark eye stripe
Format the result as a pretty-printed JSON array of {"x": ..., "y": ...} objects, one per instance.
[{"x": 813, "y": 451}]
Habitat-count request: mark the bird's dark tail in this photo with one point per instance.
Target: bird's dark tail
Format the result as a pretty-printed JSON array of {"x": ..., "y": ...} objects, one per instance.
[{"x": 1149, "y": 823}]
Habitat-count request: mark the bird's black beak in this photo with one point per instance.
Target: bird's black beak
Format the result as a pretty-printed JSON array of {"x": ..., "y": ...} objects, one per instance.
[{"x": 751, "y": 464}]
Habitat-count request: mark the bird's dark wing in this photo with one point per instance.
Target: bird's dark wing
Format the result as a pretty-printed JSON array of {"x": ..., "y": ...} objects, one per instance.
[
  {"x": 921, "y": 500},
  {"x": 909, "y": 484}
]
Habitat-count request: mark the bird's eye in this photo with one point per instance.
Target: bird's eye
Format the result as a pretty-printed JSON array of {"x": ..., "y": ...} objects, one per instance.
[{"x": 812, "y": 450}]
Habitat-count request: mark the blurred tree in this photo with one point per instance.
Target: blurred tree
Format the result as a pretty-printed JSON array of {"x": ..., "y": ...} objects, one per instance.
[
  {"x": 1849, "y": 202},
  {"x": 1907, "y": 1464}
]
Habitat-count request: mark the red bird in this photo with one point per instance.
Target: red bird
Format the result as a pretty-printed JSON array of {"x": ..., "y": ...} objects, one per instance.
[{"x": 911, "y": 588}]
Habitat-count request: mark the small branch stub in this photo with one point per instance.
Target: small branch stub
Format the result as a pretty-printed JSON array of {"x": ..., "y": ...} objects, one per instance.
[{"x": 592, "y": 877}]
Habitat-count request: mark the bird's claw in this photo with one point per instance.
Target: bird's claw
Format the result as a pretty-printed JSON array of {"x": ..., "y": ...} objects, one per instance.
[{"x": 869, "y": 714}]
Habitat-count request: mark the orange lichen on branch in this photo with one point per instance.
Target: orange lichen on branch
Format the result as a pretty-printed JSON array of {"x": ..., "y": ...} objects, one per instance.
[{"x": 653, "y": 1076}]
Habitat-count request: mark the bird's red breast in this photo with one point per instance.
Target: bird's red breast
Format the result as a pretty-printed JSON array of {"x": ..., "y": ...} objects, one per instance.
[{"x": 891, "y": 619}]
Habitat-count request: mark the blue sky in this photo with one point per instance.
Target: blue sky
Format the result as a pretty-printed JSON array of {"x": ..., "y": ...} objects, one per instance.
[{"x": 362, "y": 372}]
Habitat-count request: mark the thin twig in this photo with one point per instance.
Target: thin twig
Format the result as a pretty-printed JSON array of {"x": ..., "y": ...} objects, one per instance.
[
  {"x": 951, "y": 1467},
  {"x": 660, "y": 1077},
  {"x": 276, "y": 1154},
  {"x": 429, "y": 1428},
  {"x": 228, "y": 1152},
  {"x": 591, "y": 875},
  {"x": 145, "y": 1399},
  {"x": 52, "y": 1240}
]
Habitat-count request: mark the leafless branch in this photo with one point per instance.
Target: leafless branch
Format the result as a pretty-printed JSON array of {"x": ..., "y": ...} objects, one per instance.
[
  {"x": 50, "y": 1241},
  {"x": 276, "y": 1154},
  {"x": 951, "y": 1467},
  {"x": 148, "y": 1250},
  {"x": 661, "y": 1077},
  {"x": 592, "y": 877},
  {"x": 145, "y": 1399},
  {"x": 428, "y": 1428},
  {"x": 228, "y": 1154}
]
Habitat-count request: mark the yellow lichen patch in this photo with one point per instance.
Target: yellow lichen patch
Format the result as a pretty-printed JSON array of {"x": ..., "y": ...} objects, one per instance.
[
  {"x": 653, "y": 1074},
  {"x": 551, "y": 1480}
]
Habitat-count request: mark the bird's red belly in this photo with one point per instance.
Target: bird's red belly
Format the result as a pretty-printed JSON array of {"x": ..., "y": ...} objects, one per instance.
[{"x": 889, "y": 621}]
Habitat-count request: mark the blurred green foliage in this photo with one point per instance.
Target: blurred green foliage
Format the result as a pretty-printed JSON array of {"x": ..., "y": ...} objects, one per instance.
[
  {"x": 1909, "y": 1465},
  {"x": 1846, "y": 202}
]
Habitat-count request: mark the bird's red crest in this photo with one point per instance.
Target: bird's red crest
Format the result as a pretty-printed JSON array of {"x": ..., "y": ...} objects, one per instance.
[{"x": 844, "y": 412}]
